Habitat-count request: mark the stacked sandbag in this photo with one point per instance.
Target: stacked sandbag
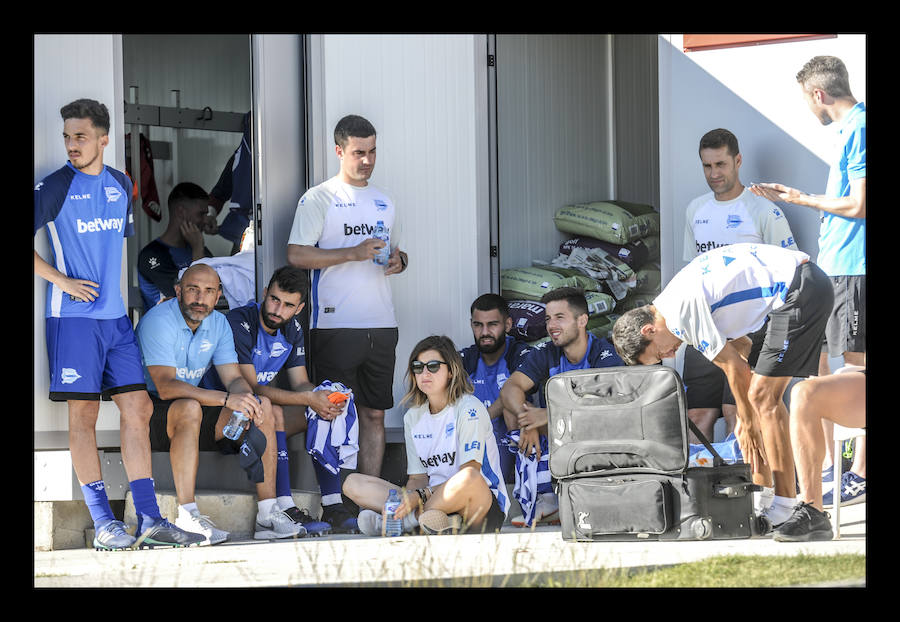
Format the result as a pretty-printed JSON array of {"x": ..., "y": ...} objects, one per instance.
[{"x": 617, "y": 243}]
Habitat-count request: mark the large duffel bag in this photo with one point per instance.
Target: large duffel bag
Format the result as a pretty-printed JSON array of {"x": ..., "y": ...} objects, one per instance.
[{"x": 619, "y": 455}]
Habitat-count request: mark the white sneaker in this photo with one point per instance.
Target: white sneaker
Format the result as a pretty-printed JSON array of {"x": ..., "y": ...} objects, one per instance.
[
  {"x": 195, "y": 522},
  {"x": 546, "y": 511},
  {"x": 369, "y": 522},
  {"x": 277, "y": 525}
]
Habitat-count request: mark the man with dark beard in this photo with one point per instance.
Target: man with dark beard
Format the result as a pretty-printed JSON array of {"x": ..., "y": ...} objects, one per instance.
[
  {"x": 490, "y": 361},
  {"x": 180, "y": 339},
  {"x": 268, "y": 339}
]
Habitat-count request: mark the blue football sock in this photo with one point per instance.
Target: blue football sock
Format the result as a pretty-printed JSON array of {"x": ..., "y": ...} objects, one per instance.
[
  {"x": 97, "y": 503},
  {"x": 143, "y": 494},
  {"x": 329, "y": 484},
  {"x": 282, "y": 468}
]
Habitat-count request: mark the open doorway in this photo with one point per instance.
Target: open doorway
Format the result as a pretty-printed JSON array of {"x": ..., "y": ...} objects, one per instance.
[{"x": 188, "y": 98}]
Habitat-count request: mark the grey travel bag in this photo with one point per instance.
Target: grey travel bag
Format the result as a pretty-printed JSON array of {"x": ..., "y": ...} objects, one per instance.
[{"x": 618, "y": 440}]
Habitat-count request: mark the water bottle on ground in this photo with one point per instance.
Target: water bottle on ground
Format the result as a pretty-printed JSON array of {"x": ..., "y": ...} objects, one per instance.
[
  {"x": 384, "y": 254},
  {"x": 391, "y": 526},
  {"x": 235, "y": 426}
]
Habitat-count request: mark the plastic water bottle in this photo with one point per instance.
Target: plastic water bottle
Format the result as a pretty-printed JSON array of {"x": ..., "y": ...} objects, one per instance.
[
  {"x": 235, "y": 425},
  {"x": 391, "y": 526},
  {"x": 384, "y": 254}
]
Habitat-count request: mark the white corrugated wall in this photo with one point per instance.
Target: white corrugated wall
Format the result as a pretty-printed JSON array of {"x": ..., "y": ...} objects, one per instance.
[{"x": 423, "y": 95}]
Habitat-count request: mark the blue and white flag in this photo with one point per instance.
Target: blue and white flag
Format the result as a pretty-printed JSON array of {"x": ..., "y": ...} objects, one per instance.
[
  {"x": 334, "y": 444},
  {"x": 532, "y": 475}
]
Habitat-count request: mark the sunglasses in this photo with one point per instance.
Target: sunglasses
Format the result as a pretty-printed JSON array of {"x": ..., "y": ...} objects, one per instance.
[{"x": 418, "y": 367}]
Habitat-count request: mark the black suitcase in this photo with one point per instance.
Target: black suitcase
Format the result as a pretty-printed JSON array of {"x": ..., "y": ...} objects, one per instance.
[{"x": 619, "y": 459}]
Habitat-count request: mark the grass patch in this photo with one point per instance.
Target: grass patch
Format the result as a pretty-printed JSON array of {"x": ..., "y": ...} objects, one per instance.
[
  {"x": 737, "y": 571},
  {"x": 729, "y": 571}
]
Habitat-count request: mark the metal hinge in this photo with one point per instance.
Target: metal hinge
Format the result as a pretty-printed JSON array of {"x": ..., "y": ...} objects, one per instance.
[
  {"x": 491, "y": 60},
  {"x": 494, "y": 251},
  {"x": 259, "y": 224}
]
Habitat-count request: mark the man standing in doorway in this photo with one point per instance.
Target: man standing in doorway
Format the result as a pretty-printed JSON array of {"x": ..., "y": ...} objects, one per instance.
[
  {"x": 825, "y": 84},
  {"x": 91, "y": 346},
  {"x": 353, "y": 329}
]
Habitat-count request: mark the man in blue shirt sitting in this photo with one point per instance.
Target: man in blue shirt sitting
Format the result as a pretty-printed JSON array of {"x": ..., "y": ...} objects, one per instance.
[
  {"x": 268, "y": 339},
  {"x": 490, "y": 361},
  {"x": 179, "y": 339},
  {"x": 570, "y": 347}
]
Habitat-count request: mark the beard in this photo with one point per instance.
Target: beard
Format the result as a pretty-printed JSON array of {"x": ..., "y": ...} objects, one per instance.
[
  {"x": 491, "y": 346},
  {"x": 195, "y": 313}
]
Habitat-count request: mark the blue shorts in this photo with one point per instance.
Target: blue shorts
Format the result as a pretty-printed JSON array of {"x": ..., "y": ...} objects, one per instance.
[{"x": 92, "y": 359}]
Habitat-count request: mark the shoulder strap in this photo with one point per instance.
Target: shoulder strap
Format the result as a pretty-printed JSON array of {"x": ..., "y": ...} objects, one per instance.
[{"x": 717, "y": 459}]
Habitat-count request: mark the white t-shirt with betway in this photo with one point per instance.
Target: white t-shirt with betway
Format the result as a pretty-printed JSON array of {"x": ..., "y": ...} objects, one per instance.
[
  {"x": 710, "y": 223},
  {"x": 355, "y": 294},
  {"x": 439, "y": 444},
  {"x": 727, "y": 293}
]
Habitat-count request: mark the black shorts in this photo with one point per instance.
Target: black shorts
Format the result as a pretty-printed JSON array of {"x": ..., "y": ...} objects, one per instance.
[
  {"x": 361, "y": 358},
  {"x": 494, "y": 518},
  {"x": 846, "y": 330},
  {"x": 159, "y": 438},
  {"x": 706, "y": 385},
  {"x": 794, "y": 335}
]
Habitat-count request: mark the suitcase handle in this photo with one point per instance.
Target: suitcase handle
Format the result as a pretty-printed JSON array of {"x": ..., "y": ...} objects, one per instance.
[
  {"x": 739, "y": 489},
  {"x": 717, "y": 459}
]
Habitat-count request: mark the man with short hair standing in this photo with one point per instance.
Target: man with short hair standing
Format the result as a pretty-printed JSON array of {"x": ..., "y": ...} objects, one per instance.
[
  {"x": 353, "y": 328},
  {"x": 825, "y": 85},
  {"x": 729, "y": 214},
  {"x": 91, "y": 347}
]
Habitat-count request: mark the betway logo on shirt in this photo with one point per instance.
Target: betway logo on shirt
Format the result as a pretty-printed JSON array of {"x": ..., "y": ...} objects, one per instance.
[
  {"x": 437, "y": 460},
  {"x": 362, "y": 229},
  {"x": 183, "y": 373},
  {"x": 99, "y": 225}
]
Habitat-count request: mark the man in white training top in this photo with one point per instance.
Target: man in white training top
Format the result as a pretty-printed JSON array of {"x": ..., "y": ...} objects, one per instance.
[{"x": 353, "y": 329}]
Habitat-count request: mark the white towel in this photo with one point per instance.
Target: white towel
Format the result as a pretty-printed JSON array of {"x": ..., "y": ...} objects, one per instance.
[
  {"x": 532, "y": 476},
  {"x": 238, "y": 276}
]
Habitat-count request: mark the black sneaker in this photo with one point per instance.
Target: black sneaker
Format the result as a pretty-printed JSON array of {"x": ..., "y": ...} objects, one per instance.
[
  {"x": 162, "y": 533},
  {"x": 313, "y": 527},
  {"x": 341, "y": 520},
  {"x": 806, "y": 524}
]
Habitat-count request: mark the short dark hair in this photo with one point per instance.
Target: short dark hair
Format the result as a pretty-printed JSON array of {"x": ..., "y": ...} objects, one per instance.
[
  {"x": 87, "y": 109},
  {"x": 574, "y": 296},
  {"x": 489, "y": 302},
  {"x": 827, "y": 73},
  {"x": 352, "y": 125},
  {"x": 714, "y": 139},
  {"x": 186, "y": 191},
  {"x": 291, "y": 279},
  {"x": 627, "y": 338}
]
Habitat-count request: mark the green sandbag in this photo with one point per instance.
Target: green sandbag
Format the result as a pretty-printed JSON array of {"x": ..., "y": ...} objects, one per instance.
[
  {"x": 599, "y": 303},
  {"x": 531, "y": 283},
  {"x": 600, "y": 220},
  {"x": 634, "y": 300},
  {"x": 583, "y": 281},
  {"x": 602, "y": 325},
  {"x": 648, "y": 281}
]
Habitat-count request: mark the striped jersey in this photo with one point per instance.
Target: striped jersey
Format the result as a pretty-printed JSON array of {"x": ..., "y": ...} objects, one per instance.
[
  {"x": 727, "y": 293},
  {"x": 439, "y": 444},
  {"x": 87, "y": 219}
]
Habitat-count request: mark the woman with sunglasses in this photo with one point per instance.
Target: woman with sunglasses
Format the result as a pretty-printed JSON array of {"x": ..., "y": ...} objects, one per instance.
[{"x": 453, "y": 462}]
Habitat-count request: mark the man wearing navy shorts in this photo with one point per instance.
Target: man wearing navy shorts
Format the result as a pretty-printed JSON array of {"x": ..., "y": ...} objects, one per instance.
[{"x": 91, "y": 346}]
